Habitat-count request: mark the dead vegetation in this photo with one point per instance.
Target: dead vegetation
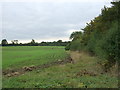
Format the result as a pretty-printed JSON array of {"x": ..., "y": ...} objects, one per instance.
[
  {"x": 85, "y": 72},
  {"x": 20, "y": 71},
  {"x": 29, "y": 68},
  {"x": 94, "y": 66},
  {"x": 92, "y": 69}
]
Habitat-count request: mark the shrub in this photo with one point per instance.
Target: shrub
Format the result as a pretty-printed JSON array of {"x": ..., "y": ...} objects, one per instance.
[
  {"x": 75, "y": 45},
  {"x": 67, "y": 47},
  {"x": 108, "y": 47}
]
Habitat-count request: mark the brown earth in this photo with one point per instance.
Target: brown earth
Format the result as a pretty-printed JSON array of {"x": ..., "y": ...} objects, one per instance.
[
  {"x": 20, "y": 71},
  {"x": 74, "y": 58}
]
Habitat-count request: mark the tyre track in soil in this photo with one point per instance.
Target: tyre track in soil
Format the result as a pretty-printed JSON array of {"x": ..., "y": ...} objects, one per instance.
[{"x": 20, "y": 71}]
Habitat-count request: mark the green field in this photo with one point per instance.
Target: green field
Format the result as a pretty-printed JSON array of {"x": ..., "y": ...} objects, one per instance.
[
  {"x": 85, "y": 72},
  {"x": 15, "y": 57}
]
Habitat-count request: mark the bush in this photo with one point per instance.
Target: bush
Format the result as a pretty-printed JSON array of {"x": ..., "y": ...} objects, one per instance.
[
  {"x": 67, "y": 47},
  {"x": 91, "y": 44},
  {"x": 75, "y": 45},
  {"x": 102, "y": 36},
  {"x": 108, "y": 47}
]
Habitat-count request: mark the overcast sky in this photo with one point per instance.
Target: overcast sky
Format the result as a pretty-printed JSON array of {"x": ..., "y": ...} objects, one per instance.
[{"x": 46, "y": 20}]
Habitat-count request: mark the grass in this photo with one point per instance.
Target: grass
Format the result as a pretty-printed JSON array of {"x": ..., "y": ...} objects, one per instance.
[
  {"x": 15, "y": 57},
  {"x": 60, "y": 76}
]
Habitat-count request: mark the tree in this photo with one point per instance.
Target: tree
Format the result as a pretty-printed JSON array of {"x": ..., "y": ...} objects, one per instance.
[
  {"x": 33, "y": 41},
  {"x": 4, "y": 42},
  {"x": 59, "y": 41},
  {"x": 76, "y": 35},
  {"x": 14, "y": 42},
  {"x": 101, "y": 35}
]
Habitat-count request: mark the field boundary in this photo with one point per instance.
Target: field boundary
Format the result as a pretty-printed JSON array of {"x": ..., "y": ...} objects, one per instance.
[{"x": 20, "y": 71}]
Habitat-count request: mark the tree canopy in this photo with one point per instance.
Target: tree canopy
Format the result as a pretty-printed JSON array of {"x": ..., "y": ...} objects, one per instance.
[
  {"x": 4, "y": 42},
  {"x": 101, "y": 36}
]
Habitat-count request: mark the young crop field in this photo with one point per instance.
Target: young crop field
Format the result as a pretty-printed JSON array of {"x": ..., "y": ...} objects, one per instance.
[
  {"x": 52, "y": 68},
  {"x": 16, "y": 57}
]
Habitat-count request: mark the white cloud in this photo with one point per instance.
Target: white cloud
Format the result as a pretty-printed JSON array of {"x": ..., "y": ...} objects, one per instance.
[
  {"x": 55, "y": 1},
  {"x": 72, "y": 30},
  {"x": 0, "y": 21},
  {"x": 46, "y": 21},
  {"x": 51, "y": 39}
]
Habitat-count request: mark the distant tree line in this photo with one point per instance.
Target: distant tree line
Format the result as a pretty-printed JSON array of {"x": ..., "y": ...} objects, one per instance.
[{"x": 4, "y": 42}]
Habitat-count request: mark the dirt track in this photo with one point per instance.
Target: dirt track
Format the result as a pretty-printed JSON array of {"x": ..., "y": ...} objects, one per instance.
[{"x": 20, "y": 71}]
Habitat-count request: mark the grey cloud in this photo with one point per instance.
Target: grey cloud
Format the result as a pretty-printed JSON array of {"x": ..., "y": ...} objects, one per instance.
[{"x": 45, "y": 20}]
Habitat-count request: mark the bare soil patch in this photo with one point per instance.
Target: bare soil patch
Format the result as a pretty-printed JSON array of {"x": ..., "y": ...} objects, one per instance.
[
  {"x": 20, "y": 71},
  {"x": 85, "y": 72}
]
